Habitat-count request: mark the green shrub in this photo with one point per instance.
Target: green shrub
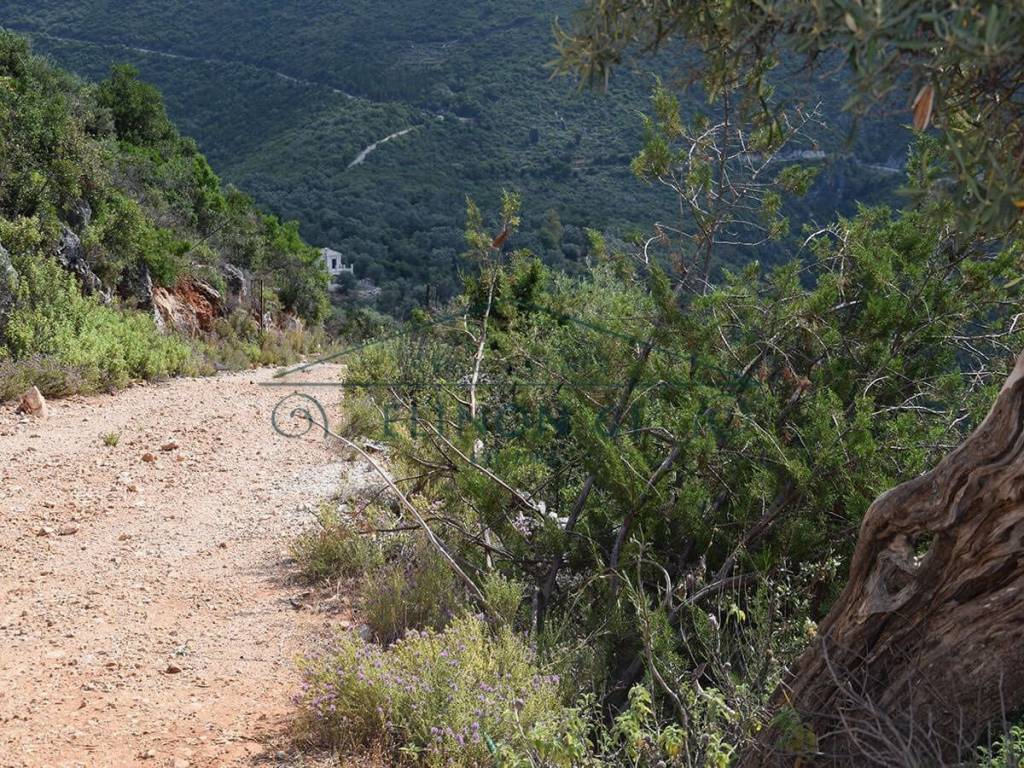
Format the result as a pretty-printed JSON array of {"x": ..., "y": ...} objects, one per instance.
[
  {"x": 467, "y": 696},
  {"x": 286, "y": 347},
  {"x": 137, "y": 107},
  {"x": 122, "y": 236},
  {"x": 504, "y": 598},
  {"x": 155, "y": 204},
  {"x": 53, "y": 376},
  {"x": 111, "y": 439},
  {"x": 415, "y": 589},
  {"x": 360, "y": 418},
  {"x": 1007, "y": 753},
  {"x": 64, "y": 342},
  {"x": 238, "y": 342},
  {"x": 335, "y": 549}
]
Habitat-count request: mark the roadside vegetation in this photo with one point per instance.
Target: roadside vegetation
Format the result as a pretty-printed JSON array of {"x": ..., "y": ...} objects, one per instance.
[
  {"x": 641, "y": 485},
  {"x": 101, "y": 203}
]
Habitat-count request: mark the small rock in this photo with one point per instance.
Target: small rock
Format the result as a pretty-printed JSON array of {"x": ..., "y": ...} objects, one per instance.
[
  {"x": 223, "y": 545},
  {"x": 168, "y": 447},
  {"x": 149, "y": 754},
  {"x": 148, "y": 457},
  {"x": 181, "y": 762},
  {"x": 44, "y": 531},
  {"x": 172, "y": 669},
  {"x": 67, "y": 530},
  {"x": 33, "y": 403}
]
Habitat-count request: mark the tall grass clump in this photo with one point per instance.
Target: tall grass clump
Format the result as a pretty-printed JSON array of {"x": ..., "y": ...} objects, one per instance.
[
  {"x": 334, "y": 549},
  {"x": 413, "y": 589}
]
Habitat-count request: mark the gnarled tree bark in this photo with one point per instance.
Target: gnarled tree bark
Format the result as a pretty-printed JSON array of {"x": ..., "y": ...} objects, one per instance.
[{"x": 924, "y": 649}]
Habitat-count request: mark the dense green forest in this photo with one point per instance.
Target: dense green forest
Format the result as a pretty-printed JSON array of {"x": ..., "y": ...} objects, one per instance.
[
  {"x": 103, "y": 202},
  {"x": 283, "y": 97}
]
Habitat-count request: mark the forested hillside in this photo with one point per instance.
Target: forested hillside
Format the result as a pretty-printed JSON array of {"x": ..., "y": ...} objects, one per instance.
[
  {"x": 112, "y": 224},
  {"x": 284, "y": 97}
]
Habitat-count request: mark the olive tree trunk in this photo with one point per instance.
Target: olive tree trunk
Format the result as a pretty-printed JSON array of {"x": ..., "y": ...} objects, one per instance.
[{"x": 924, "y": 649}]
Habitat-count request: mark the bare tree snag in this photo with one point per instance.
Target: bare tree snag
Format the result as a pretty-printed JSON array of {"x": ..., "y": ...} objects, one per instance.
[{"x": 924, "y": 649}]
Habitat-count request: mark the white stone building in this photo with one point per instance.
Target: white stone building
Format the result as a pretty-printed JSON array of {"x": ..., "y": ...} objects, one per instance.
[{"x": 335, "y": 263}]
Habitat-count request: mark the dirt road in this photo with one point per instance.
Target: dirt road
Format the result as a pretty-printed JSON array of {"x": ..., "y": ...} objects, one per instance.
[{"x": 149, "y": 613}]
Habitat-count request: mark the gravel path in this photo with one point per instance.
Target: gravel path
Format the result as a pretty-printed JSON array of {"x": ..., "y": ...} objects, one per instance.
[{"x": 149, "y": 613}]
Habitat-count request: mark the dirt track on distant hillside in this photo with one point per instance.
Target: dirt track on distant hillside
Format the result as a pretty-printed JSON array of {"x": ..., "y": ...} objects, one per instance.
[{"x": 116, "y": 572}]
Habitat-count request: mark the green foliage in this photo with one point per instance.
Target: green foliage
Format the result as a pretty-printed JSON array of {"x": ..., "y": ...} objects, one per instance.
[
  {"x": 1007, "y": 753},
  {"x": 467, "y": 696},
  {"x": 103, "y": 166},
  {"x": 105, "y": 347},
  {"x": 642, "y": 442},
  {"x": 720, "y": 181},
  {"x": 646, "y": 741},
  {"x": 333, "y": 550},
  {"x": 237, "y": 342},
  {"x": 301, "y": 277},
  {"x": 122, "y": 236},
  {"x": 414, "y": 589},
  {"x": 46, "y": 158},
  {"x": 111, "y": 439},
  {"x": 959, "y": 64},
  {"x": 136, "y": 107},
  {"x": 505, "y": 598}
]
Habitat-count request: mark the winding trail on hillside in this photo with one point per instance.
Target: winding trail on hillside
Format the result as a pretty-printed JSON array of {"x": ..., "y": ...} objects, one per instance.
[
  {"x": 361, "y": 157},
  {"x": 181, "y": 57},
  {"x": 149, "y": 610}
]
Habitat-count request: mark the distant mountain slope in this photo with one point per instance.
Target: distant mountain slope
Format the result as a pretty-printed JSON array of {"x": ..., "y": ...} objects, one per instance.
[{"x": 284, "y": 96}]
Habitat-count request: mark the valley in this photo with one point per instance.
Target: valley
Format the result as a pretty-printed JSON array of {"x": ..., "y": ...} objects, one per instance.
[{"x": 284, "y": 117}]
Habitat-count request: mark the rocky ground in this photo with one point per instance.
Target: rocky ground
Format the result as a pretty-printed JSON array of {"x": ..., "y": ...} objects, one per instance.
[{"x": 149, "y": 610}]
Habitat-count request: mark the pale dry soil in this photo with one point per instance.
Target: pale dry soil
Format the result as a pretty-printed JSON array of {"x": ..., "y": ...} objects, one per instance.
[{"x": 150, "y": 613}]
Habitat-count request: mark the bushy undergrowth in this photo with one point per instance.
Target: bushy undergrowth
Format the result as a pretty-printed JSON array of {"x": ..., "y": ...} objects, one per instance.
[
  {"x": 403, "y": 582},
  {"x": 1007, "y": 752},
  {"x": 414, "y": 589},
  {"x": 673, "y": 476},
  {"x": 64, "y": 342},
  {"x": 334, "y": 549},
  {"x": 477, "y": 694},
  {"x": 428, "y": 680},
  {"x": 238, "y": 342},
  {"x": 465, "y": 696},
  {"x": 99, "y": 177}
]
